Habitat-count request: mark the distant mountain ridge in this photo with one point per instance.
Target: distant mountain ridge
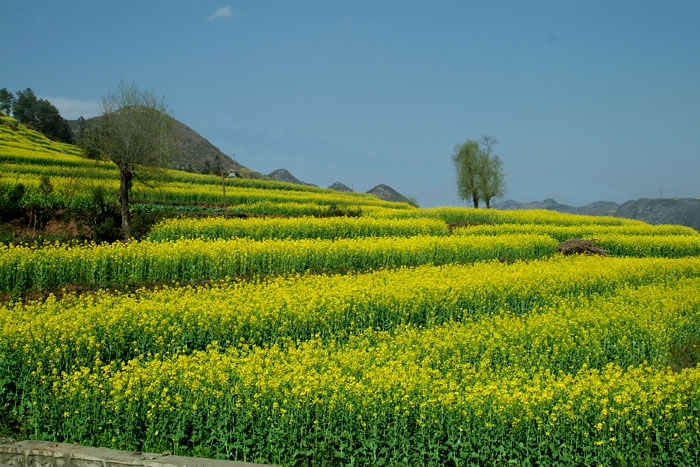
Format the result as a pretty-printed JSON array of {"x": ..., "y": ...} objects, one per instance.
[
  {"x": 381, "y": 191},
  {"x": 681, "y": 211},
  {"x": 599, "y": 208}
]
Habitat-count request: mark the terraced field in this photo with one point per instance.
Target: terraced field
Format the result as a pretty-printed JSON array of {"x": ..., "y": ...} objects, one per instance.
[{"x": 403, "y": 337}]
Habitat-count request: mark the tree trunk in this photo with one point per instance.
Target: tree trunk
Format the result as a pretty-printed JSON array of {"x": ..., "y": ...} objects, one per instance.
[
  {"x": 475, "y": 200},
  {"x": 125, "y": 177},
  {"x": 488, "y": 203}
]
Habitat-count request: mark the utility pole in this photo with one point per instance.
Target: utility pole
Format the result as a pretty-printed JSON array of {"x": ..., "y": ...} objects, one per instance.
[{"x": 223, "y": 187}]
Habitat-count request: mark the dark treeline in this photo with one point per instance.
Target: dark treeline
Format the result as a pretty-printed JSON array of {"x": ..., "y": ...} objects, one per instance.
[{"x": 36, "y": 113}]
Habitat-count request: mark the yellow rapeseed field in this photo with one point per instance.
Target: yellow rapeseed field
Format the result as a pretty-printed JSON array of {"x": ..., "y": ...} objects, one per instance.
[
  {"x": 556, "y": 354},
  {"x": 441, "y": 336}
]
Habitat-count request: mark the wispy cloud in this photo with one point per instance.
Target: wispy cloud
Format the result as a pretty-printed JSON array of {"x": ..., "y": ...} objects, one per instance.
[{"x": 224, "y": 12}]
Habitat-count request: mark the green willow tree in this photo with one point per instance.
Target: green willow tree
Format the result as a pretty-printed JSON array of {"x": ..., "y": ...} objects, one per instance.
[
  {"x": 135, "y": 132},
  {"x": 480, "y": 173},
  {"x": 491, "y": 178},
  {"x": 466, "y": 160}
]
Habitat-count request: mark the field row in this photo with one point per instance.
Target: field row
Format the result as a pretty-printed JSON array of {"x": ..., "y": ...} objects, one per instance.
[
  {"x": 25, "y": 268},
  {"x": 294, "y": 228},
  {"x": 565, "y": 232},
  {"x": 494, "y": 216},
  {"x": 343, "y": 227}
]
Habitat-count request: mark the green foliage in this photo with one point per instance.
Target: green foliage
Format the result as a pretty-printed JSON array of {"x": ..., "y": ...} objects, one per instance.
[
  {"x": 11, "y": 201},
  {"x": 45, "y": 185},
  {"x": 50, "y": 122},
  {"x": 466, "y": 158},
  {"x": 39, "y": 114},
  {"x": 7, "y": 101},
  {"x": 480, "y": 174},
  {"x": 142, "y": 221},
  {"x": 106, "y": 231},
  {"x": 105, "y": 217},
  {"x": 84, "y": 138},
  {"x": 24, "y": 108},
  {"x": 334, "y": 210},
  {"x": 491, "y": 179}
]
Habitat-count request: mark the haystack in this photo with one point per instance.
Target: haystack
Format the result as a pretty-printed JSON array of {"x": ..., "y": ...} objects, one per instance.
[{"x": 575, "y": 246}]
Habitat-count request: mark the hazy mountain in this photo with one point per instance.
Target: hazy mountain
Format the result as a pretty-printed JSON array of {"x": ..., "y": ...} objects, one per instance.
[
  {"x": 283, "y": 175},
  {"x": 337, "y": 186},
  {"x": 681, "y": 211},
  {"x": 193, "y": 152},
  {"x": 549, "y": 203},
  {"x": 599, "y": 208},
  {"x": 387, "y": 193}
]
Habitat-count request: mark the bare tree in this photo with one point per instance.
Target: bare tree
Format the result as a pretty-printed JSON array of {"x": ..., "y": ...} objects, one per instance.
[{"x": 134, "y": 133}]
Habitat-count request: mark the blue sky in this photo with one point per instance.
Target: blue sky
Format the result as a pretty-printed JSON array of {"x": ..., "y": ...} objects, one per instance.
[{"x": 590, "y": 100}]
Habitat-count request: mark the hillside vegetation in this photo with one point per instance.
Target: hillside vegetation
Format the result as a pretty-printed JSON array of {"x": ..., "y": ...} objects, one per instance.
[
  {"x": 306, "y": 336},
  {"x": 56, "y": 178}
]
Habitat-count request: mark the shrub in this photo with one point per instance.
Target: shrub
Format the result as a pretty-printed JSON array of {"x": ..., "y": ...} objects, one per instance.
[
  {"x": 334, "y": 210},
  {"x": 10, "y": 201}
]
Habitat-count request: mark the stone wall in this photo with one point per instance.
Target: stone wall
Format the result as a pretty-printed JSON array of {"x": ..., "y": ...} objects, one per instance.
[{"x": 48, "y": 454}]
